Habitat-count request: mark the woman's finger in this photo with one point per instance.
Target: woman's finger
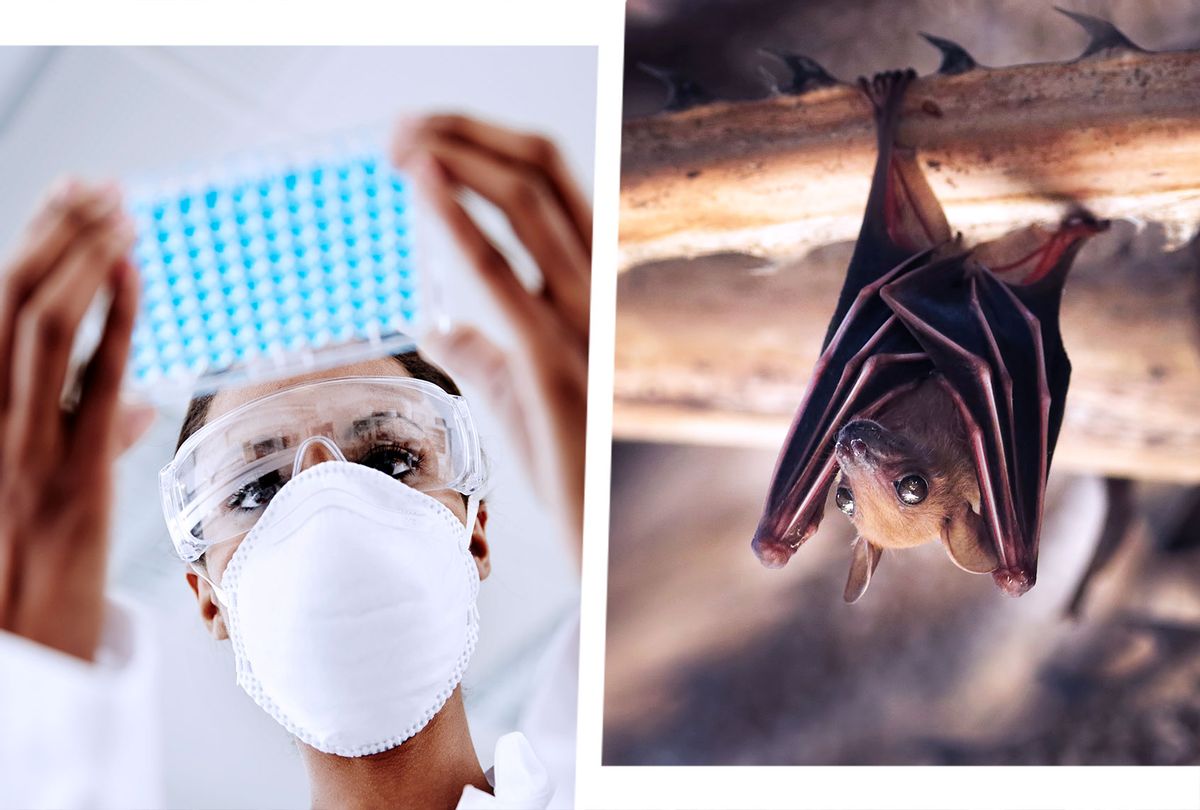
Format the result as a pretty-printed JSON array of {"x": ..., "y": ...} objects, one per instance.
[
  {"x": 489, "y": 263},
  {"x": 45, "y": 332},
  {"x": 68, "y": 210},
  {"x": 536, "y": 218},
  {"x": 133, "y": 421},
  {"x": 537, "y": 151},
  {"x": 96, "y": 420},
  {"x": 73, "y": 207}
]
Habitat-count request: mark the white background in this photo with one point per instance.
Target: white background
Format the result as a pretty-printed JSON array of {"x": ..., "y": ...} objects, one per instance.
[
  {"x": 598, "y": 22},
  {"x": 121, "y": 112}
]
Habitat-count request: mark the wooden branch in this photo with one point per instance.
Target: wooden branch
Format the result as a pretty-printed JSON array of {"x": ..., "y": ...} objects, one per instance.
[
  {"x": 1002, "y": 148},
  {"x": 720, "y": 350}
]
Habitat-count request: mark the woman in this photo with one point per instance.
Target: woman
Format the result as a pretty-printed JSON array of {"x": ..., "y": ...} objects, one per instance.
[{"x": 378, "y": 449}]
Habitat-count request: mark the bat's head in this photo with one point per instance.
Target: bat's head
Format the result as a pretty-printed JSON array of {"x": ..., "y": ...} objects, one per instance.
[
  {"x": 904, "y": 487},
  {"x": 890, "y": 486}
]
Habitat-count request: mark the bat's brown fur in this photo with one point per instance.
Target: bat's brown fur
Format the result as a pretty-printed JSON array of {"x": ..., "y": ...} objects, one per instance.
[{"x": 920, "y": 433}]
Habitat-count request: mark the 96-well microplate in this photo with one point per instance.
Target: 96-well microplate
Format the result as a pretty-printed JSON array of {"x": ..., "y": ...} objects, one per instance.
[{"x": 255, "y": 273}]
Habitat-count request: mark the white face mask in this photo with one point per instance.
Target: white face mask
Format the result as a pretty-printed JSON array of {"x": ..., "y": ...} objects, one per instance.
[{"x": 351, "y": 608}]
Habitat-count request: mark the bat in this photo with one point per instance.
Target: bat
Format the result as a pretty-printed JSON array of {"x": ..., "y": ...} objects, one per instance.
[{"x": 937, "y": 400}]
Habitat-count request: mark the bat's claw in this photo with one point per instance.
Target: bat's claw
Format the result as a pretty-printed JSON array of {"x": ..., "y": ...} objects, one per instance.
[
  {"x": 955, "y": 58},
  {"x": 885, "y": 91},
  {"x": 772, "y": 555},
  {"x": 1013, "y": 581},
  {"x": 682, "y": 91},
  {"x": 1081, "y": 222}
]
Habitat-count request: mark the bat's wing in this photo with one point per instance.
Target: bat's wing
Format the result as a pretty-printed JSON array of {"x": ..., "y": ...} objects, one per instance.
[
  {"x": 870, "y": 358},
  {"x": 796, "y": 501},
  {"x": 867, "y": 355},
  {"x": 971, "y": 326},
  {"x": 1035, "y": 265},
  {"x": 1000, "y": 349}
]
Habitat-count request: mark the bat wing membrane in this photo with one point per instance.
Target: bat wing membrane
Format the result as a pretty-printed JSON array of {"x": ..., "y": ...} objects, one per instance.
[
  {"x": 871, "y": 356},
  {"x": 987, "y": 346},
  {"x": 1018, "y": 335},
  {"x": 1034, "y": 265},
  {"x": 868, "y": 327},
  {"x": 867, "y": 355}
]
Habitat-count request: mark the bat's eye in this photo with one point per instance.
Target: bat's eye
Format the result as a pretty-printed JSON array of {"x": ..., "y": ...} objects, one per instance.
[
  {"x": 844, "y": 500},
  {"x": 912, "y": 489}
]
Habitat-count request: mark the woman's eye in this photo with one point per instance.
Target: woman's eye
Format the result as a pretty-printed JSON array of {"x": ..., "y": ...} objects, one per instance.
[
  {"x": 255, "y": 494},
  {"x": 398, "y": 462}
]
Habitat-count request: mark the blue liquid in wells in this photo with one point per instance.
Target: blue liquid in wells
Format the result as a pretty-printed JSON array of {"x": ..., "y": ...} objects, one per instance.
[{"x": 242, "y": 258}]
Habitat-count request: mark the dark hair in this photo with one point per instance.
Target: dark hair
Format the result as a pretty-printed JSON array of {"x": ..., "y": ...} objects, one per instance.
[{"x": 412, "y": 362}]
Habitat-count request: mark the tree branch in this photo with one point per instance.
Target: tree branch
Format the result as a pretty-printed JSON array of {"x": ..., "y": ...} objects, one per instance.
[{"x": 1002, "y": 148}]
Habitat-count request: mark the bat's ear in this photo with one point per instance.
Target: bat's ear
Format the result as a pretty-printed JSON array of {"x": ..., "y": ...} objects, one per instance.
[
  {"x": 967, "y": 541},
  {"x": 864, "y": 559}
]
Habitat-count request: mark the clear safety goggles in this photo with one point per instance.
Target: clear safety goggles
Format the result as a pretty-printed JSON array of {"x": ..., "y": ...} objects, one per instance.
[{"x": 225, "y": 474}]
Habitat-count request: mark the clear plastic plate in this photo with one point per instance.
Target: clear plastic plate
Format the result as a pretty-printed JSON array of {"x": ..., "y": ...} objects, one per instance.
[{"x": 271, "y": 264}]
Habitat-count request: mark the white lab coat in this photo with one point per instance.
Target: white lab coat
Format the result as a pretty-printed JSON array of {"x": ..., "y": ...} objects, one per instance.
[{"x": 79, "y": 734}]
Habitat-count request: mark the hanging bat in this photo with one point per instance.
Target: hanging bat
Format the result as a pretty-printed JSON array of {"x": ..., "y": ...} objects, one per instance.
[{"x": 935, "y": 406}]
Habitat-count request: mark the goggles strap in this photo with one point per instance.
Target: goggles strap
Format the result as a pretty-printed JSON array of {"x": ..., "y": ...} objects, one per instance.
[
  {"x": 216, "y": 589},
  {"x": 472, "y": 513}
]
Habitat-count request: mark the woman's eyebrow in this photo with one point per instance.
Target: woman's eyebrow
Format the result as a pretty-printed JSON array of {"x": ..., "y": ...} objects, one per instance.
[
  {"x": 266, "y": 445},
  {"x": 366, "y": 423}
]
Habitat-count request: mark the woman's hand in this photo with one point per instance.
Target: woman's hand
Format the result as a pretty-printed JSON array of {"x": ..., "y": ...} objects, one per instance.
[
  {"x": 542, "y": 391},
  {"x": 56, "y": 467}
]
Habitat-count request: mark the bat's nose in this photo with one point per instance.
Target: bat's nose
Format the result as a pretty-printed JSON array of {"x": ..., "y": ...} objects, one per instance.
[
  {"x": 859, "y": 429},
  {"x": 856, "y": 439}
]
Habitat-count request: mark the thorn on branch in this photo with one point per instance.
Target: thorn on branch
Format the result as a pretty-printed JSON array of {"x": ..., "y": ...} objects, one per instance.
[
  {"x": 1104, "y": 36},
  {"x": 682, "y": 91},
  {"x": 955, "y": 59},
  {"x": 806, "y": 73}
]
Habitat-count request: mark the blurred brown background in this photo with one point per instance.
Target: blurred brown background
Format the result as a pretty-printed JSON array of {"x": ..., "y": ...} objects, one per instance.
[
  {"x": 712, "y": 659},
  {"x": 716, "y": 42}
]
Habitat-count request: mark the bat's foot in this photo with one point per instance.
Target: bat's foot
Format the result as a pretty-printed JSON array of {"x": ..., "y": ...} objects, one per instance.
[
  {"x": 1029, "y": 255},
  {"x": 1013, "y": 581},
  {"x": 1059, "y": 252},
  {"x": 1082, "y": 223},
  {"x": 885, "y": 91}
]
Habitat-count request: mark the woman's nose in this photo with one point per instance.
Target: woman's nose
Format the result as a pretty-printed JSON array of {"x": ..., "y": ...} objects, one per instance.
[{"x": 316, "y": 450}]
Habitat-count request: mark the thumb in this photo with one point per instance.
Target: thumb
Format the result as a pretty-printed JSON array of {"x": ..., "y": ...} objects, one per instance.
[{"x": 132, "y": 421}]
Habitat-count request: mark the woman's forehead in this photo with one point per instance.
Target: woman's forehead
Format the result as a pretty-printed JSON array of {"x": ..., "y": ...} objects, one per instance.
[{"x": 226, "y": 400}]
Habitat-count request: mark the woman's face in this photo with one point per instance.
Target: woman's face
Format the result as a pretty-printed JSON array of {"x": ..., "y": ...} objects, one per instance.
[{"x": 217, "y": 556}]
